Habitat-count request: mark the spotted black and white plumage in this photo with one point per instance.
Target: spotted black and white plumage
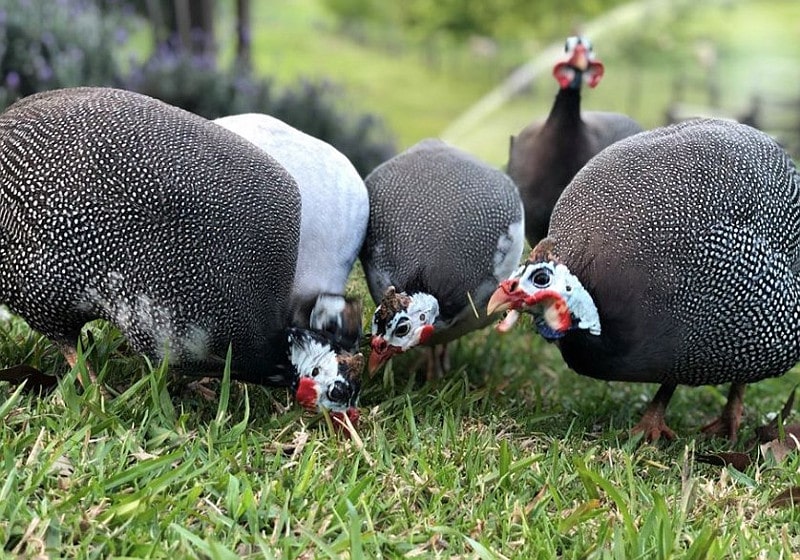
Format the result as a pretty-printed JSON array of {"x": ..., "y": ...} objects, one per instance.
[
  {"x": 444, "y": 227},
  {"x": 545, "y": 156},
  {"x": 687, "y": 239},
  {"x": 117, "y": 206}
]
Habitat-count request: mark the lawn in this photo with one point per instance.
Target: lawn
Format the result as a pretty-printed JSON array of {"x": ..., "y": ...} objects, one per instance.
[{"x": 511, "y": 455}]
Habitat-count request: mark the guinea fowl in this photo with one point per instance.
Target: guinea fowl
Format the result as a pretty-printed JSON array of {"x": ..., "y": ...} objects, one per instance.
[
  {"x": 672, "y": 257},
  {"x": 333, "y": 222},
  {"x": 116, "y": 206},
  {"x": 443, "y": 229},
  {"x": 546, "y": 155}
]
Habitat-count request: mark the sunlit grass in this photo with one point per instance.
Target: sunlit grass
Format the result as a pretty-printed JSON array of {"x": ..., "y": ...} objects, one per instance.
[
  {"x": 757, "y": 48},
  {"x": 511, "y": 455}
]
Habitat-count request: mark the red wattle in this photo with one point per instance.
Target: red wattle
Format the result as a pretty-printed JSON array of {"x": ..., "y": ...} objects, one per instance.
[
  {"x": 426, "y": 334},
  {"x": 594, "y": 73},
  {"x": 307, "y": 393},
  {"x": 551, "y": 299}
]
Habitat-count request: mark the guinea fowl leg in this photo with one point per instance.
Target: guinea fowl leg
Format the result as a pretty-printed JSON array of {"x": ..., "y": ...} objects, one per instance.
[
  {"x": 70, "y": 353},
  {"x": 200, "y": 387},
  {"x": 438, "y": 362},
  {"x": 727, "y": 425},
  {"x": 652, "y": 424}
]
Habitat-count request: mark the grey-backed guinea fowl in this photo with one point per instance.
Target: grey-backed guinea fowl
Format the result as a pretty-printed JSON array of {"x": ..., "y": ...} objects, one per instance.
[
  {"x": 673, "y": 258},
  {"x": 117, "y": 206},
  {"x": 545, "y": 156},
  {"x": 333, "y": 222},
  {"x": 443, "y": 229}
]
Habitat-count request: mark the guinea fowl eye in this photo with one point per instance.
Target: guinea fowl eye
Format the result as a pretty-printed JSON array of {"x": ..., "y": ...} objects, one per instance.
[
  {"x": 402, "y": 329},
  {"x": 315, "y": 372},
  {"x": 541, "y": 279},
  {"x": 340, "y": 392}
]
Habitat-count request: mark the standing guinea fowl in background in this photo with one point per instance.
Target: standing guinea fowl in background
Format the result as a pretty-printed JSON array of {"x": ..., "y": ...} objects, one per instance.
[
  {"x": 117, "y": 206},
  {"x": 333, "y": 223},
  {"x": 444, "y": 229},
  {"x": 672, "y": 258},
  {"x": 545, "y": 156}
]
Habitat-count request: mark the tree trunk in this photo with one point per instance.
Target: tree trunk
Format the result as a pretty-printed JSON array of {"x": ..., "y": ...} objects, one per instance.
[
  {"x": 243, "y": 36},
  {"x": 186, "y": 25}
]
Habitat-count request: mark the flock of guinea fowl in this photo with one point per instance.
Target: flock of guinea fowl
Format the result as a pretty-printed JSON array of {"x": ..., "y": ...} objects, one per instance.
[{"x": 668, "y": 256}]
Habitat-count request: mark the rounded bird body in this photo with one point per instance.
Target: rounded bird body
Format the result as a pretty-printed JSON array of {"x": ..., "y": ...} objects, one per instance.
[
  {"x": 546, "y": 155},
  {"x": 686, "y": 240},
  {"x": 444, "y": 228},
  {"x": 335, "y": 204},
  {"x": 117, "y": 206}
]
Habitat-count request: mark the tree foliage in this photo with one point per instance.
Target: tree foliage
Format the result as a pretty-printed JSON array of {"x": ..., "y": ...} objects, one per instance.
[{"x": 462, "y": 19}]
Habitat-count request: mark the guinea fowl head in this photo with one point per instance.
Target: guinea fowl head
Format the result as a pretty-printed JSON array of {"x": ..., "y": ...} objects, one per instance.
[
  {"x": 325, "y": 376},
  {"x": 580, "y": 65},
  {"x": 546, "y": 289},
  {"x": 400, "y": 322}
]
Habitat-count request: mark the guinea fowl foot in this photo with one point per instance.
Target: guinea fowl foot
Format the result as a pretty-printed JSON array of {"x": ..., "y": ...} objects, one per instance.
[
  {"x": 201, "y": 388},
  {"x": 727, "y": 425},
  {"x": 652, "y": 425}
]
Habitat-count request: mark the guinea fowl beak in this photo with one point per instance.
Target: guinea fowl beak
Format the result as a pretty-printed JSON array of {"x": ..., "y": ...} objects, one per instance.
[
  {"x": 307, "y": 395},
  {"x": 381, "y": 353},
  {"x": 508, "y": 295},
  {"x": 352, "y": 414},
  {"x": 580, "y": 58}
]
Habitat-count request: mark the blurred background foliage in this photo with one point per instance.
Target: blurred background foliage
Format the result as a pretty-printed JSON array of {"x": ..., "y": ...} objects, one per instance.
[
  {"x": 373, "y": 77},
  {"x": 461, "y": 21}
]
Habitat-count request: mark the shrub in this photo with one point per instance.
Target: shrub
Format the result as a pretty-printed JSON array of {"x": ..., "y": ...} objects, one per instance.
[
  {"x": 49, "y": 44},
  {"x": 315, "y": 107},
  {"x": 53, "y": 44}
]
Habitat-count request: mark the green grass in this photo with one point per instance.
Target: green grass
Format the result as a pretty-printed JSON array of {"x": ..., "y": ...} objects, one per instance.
[
  {"x": 298, "y": 39},
  {"x": 511, "y": 455}
]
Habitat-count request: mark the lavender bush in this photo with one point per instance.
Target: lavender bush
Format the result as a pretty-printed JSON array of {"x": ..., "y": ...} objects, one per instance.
[
  {"x": 57, "y": 43},
  {"x": 48, "y": 44}
]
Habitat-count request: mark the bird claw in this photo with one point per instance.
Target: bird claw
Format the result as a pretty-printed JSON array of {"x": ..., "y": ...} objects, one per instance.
[
  {"x": 654, "y": 433},
  {"x": 652, "y": 424},
  {"x": 653, "y": 428},
  {"x": 722, "y": 427},
  {"x": 200, "y": 388}
]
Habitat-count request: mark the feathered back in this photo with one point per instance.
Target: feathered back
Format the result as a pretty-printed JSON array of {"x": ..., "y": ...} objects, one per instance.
[
  {"x": 688, "y": 239},
  {"x": 115, "y": 205},
  {"x": 441, "y": 222}
]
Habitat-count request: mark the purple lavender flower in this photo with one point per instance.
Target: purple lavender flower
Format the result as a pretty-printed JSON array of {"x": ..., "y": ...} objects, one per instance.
[
  {"x": 12, "y": 80},
  {"x": 44, "y": 71},
  {"x": 120, "y": 35}
]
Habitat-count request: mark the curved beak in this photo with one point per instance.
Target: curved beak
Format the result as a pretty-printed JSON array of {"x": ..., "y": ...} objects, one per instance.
[
  {"x": 381, "y": 353},
  {"x": 580, "y": 58},
  {"x": 346, "y": 422},
  {"x": 352, "y": 413},
  {"x": 508, "y": 295}
]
